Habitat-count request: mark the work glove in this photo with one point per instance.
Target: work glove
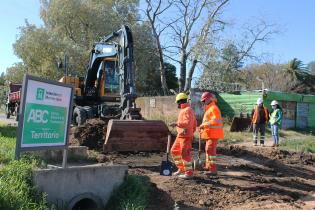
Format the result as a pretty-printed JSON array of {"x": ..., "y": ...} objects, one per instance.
[{"x": 200, "y": 129}]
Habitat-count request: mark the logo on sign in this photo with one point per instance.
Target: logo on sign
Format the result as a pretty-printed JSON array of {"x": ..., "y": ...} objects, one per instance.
[{"x": 40, "y": 94}]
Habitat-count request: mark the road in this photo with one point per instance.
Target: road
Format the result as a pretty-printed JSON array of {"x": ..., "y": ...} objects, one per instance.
[{"x": 10, "y": 121}]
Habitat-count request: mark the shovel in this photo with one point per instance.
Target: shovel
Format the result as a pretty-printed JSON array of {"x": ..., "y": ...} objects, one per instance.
[
  {"x": 198, "y": 164},
  {"x": 166, "y": 166}
]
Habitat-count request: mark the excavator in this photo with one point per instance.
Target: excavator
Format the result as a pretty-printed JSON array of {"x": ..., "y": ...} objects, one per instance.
[{"x": 108, "y": 92}]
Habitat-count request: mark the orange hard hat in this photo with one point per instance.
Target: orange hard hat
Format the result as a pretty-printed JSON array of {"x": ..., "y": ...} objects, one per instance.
[{"x": 207, "y": 95}]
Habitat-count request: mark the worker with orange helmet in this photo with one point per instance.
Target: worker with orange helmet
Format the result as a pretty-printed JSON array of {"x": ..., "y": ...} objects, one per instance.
[
  {"x": 186, "y": 126},
  {"x": 211, "y": 130}
]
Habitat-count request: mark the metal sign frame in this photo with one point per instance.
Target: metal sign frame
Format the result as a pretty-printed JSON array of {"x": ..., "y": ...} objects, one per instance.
[{"x": 21, "y": 125}]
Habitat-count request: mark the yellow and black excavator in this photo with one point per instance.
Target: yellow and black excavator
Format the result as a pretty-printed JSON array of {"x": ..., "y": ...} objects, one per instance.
[{"x": 108, "y": 91}]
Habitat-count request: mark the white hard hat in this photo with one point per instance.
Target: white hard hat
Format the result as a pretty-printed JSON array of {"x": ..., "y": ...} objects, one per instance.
[
  {"x": 274, "y": 102},
  {"x": 259, "y": 101}
]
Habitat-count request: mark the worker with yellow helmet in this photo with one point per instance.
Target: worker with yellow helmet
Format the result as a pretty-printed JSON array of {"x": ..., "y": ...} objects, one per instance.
[{"x": 186, "y": 126}]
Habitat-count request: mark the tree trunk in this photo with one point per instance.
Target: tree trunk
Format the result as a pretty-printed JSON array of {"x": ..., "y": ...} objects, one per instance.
[
  {"x": 190, "y": 74},
  {"x": 182, "y": 73},
  {"x": 162, "y": 67}
]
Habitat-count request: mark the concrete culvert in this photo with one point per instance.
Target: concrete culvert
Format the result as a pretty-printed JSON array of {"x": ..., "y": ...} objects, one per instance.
[{"x": 85, "y": 202}]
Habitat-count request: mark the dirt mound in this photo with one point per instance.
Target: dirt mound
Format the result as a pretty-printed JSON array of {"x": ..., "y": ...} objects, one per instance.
[{"x": 91, "y": 134}]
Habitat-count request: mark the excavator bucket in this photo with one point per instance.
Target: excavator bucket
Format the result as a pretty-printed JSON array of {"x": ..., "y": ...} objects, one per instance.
[
  {"x": 135, "y": 136},
  {"x": 240, "y": 124}
]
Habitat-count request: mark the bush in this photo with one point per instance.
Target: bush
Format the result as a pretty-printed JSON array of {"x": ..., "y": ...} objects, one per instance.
[{"x": 133, "y": 194}]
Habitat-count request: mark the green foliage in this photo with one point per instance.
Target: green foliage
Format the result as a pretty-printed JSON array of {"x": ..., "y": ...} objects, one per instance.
[
  {"x": 146, "y": 62},
  {"x": 16, "y": 189},
  {"x": 16, "y": 72},
  {"x": 171, "y": 78},
  {"x": 70, "y": 28},
  {"x": 133, "y": 194},
  {"x": 231, "y": 57},
  {"x": 220, "y": 73},
  {"x": 295, "y": 65},
  {"x": 7, "y": 146},
  {"x": 2, "y": 79}
]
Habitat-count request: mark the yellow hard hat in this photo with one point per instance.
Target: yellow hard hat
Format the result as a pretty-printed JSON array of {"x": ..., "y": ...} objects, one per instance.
[{"x": 181, "y": 96}]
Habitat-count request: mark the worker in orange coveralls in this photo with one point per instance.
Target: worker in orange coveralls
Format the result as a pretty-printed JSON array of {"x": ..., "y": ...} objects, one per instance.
[
  {"x": 186, "y": 126},
  {"x": 211, "y": 130}
]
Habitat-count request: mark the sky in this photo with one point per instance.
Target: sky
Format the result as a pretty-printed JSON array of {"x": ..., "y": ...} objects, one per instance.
[{"x": 294, "y": 19}]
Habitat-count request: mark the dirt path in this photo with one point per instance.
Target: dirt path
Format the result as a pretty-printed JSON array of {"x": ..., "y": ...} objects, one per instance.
[
  {"x": 11, "y": 121},
  {"x": 249, "y": 178}
]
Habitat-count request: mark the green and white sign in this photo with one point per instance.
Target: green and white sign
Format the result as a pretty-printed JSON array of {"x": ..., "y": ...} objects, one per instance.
[{"x": 45, "y": 114}]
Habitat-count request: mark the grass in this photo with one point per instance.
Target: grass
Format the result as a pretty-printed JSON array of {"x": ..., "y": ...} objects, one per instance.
[
  {"x": 306, "y": 144},
  {"x": 7, "y": 146},
  {"x": 16, "y": 187},
  {"x": 133, "y": 194},
  {"x": 296, "y": 140}
]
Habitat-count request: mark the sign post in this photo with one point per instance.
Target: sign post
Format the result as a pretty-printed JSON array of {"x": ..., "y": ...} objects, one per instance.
[{"x": 45, "y": 115}]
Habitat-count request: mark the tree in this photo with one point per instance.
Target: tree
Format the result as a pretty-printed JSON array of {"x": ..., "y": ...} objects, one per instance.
[
  {"x": 311, "y": 67},
  {"x": 188, "y": 43},
  {"x": 16, "y": 72},
  {"x": 273, "y": 75},
  {"x": 223, "y": 67},
  {"x": 294, "y": 68},
  {"x": 2, "y": 79},
  {"x": 171, "y": 78},
  {"x": 71, "y": 27},
  {"x": 153, "y": 11},
  {"x": 231, "y": 57}
]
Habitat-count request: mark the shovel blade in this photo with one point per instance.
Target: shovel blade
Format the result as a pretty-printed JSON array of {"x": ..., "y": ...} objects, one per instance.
[
  {"x": 166, "y": 168},
  {"x": 198, "y": 165}
]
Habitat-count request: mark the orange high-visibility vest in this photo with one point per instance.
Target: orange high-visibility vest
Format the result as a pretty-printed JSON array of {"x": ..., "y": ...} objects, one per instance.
[
  {"x": 212, "y": 123},
  {"x": 255, "y": 115},
  {"x": 186, "y": 123}
]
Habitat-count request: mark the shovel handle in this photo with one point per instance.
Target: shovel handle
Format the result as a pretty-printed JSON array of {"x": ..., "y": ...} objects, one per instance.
[
  {"x": 199, "y": 143},
  {"x": 168, "y": 143}
]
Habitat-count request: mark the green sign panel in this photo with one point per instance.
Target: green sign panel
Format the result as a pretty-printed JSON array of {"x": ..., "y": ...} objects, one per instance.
[
  {"x": 44, "y": 124},
  {"x": 45, "y": 114}
]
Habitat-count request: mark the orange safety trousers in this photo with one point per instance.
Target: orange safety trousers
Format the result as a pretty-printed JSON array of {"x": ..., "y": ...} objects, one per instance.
[
  {"x": 181, "y": 153},
  {"x": 211, "y": 155}
]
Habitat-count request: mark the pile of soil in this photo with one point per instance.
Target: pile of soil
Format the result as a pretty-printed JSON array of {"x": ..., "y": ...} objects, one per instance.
[{"x": 91, "y": 134}]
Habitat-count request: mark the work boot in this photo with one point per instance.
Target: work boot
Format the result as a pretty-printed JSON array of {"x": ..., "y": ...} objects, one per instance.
[
  {"x": 185, "y": 176},
  {"x": 178, "y": 172}
]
